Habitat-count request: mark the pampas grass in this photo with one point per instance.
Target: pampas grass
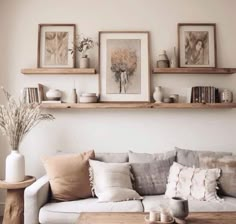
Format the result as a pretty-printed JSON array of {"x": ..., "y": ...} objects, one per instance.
[{"x": 18, "y": 118}]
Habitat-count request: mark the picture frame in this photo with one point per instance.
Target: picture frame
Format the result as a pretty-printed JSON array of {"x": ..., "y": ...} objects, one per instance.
[
  {"x": 197, "y": 45},
  {"x": 124, "y": 64},
  {"x": 54, "y": 44}
]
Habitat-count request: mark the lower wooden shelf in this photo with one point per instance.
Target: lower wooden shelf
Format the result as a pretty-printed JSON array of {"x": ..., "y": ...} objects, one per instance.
[{"x": 139, "y": 106}]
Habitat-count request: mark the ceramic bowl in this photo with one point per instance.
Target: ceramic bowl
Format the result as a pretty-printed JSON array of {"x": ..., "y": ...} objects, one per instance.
[{"x": 88, "y": 99}]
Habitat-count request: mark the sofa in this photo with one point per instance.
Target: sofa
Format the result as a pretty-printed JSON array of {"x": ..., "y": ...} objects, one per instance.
[{"x": 39, "y": 208}]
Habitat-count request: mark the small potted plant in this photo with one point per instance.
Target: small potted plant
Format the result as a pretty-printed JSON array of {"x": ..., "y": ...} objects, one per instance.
[{"x": 82, "y": 45}]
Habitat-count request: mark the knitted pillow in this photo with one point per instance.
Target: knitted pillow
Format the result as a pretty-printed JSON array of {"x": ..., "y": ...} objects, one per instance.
[{"x": 192, "y": 183}]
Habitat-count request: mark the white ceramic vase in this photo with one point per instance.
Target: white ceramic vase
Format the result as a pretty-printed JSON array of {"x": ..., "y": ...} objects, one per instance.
[
  {"x": 158, "y": 95},
  {"x": 15, "y": 167},
  {"x": 84, "y": 62}
]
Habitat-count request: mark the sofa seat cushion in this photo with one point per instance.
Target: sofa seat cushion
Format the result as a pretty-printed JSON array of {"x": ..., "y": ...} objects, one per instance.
[
  {"x": 68, "y": 212},
  {"x": 154, "y": 202}
]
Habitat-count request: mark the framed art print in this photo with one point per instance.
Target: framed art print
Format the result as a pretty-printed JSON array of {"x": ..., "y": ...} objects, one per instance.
[
  {"x": 124, "y": 66},
  {"x": 54, "y": 42},
  {"x": 197, "y": 45}
]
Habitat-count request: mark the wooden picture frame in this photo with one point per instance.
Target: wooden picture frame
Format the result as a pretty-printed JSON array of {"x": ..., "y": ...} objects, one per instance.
[
  {"x": 54, "y": 43},
  {"x": 197, "y": 45},
  {"x": 124, "y": 66}
]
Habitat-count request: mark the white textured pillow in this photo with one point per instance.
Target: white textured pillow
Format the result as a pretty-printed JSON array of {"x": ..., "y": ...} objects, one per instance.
[
  {"x": 111, "y": 181},
  {"x": 192, "y": 183}
]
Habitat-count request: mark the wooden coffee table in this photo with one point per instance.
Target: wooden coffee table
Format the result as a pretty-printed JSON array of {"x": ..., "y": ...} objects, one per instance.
[{"x": 138, "y": 218}]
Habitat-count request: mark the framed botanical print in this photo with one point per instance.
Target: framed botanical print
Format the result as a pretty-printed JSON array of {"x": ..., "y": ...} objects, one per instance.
[
  {"x": 197, "y": 45},
  {"x": 54, "y": 42},
  {"x": 124, "y": 66}
]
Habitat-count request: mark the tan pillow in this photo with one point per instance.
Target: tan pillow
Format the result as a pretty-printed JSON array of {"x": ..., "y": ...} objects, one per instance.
[{"x": 69, "y": 175}]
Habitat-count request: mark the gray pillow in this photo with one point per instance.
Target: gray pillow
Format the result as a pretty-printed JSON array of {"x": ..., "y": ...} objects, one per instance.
[
  {"x": 227, "y": 164},
  {"x": 151, "y": 178},
  {"x": 135, "y": 157},
  {"x": 112, "y": 157},
  {"x": 191, "y": 158}
]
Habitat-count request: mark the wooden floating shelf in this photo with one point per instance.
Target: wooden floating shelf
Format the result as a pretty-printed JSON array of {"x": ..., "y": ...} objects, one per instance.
[
  {"x": 58, "y": 71},
  {"x": 194, "y": 70},
  {"x": 139, "y": 106}
]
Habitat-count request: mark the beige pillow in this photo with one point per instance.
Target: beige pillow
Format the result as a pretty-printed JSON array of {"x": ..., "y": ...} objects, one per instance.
[
  {"x": 111, "y": 181},
  {"x": 192, "y": 183},
  {"x": 69, "y": 175}
]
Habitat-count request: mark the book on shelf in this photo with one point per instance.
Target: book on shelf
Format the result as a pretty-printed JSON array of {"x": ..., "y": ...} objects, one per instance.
[
  {"x": 50, "y": 101},
  {"x": 30, "y": 95},
  {"x": 205, "y": 94}
]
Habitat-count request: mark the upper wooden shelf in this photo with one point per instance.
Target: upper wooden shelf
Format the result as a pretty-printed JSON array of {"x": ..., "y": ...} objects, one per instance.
[
  {"x": 194, "y": 70},
  {"x": 58, "y": 71},
  {"x": 139, "y": 106}
]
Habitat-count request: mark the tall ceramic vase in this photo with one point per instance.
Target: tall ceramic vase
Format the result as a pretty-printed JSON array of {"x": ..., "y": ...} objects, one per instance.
[
  {"x": 158, "y": 95},
  {"x": 15, "y": 167}
]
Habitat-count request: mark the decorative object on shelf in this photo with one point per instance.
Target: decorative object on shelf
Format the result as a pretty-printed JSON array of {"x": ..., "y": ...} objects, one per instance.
[
  {"x": 40, "y": 92},
  {"x": 82, "y": 45},
  {"x": 163, "y": 60},
  {"x": 30, "y": 95},
  {"x": 158, "y": 95},
  {"x": 88, "y": 98},
  {"x": 54, "y": 42},
  {"x": 174, "y": 59},
  {"x": 124, "y": 70},
  {"x": 73, "y": 96},
  {"x": 197, "y": 44},
  {"x": 226, "y": 96},
  {"x": 175, "y": 98},
  {"x": 54, "y": 94},
  {"x": 16, "y": 120},
  {"x": 205, "y": 94},
  {"x": 179, "y": 208},
  {"x": 168, "y": 100}
]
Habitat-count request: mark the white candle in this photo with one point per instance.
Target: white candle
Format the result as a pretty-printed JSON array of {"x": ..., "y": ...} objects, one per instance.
[
  {"x": 153, "y": 216},
  {"x": 165, "y": 217}
]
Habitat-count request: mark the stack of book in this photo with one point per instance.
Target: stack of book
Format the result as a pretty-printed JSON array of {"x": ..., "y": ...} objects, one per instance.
[
  {"x": 30, "y": 95},
  {"x": 205, "y": 94}
]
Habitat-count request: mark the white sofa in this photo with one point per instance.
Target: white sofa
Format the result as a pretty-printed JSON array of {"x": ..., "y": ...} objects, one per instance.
[{"x": 39, "y": 208}]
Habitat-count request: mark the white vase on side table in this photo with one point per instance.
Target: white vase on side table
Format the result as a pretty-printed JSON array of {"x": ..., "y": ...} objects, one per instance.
[{"x": 15, "y": 167}]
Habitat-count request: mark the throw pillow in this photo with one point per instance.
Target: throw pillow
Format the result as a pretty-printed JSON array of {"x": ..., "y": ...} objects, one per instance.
[
  {"x": 151, "y": 178},
  {"x": 69, "y": 176},
  {"x": 227, "y": 164},
  {"x": 192, "y": 183},
  {"x": 191, "y": 158},
  {"x": 146, "y": 157},
  {"x": 111, "y": 182},
  {"x": 112, "y": 157}
]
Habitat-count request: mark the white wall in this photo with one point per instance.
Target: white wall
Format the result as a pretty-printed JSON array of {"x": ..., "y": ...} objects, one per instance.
[{"x": 118, "y": 130}]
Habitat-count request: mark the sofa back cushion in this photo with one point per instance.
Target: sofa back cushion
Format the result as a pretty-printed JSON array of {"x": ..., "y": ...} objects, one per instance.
[
  {"x": 69, "y": 175},
  {"x": 151, "y": 178},
  {"x": 112, "y": 157},
  {"x": 135, "y": 157},
  {"x": 227, "y": 164},
  {"x": 191, "y": 158}
]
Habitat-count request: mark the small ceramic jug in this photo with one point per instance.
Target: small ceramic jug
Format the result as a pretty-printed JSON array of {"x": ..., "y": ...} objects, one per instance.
[
  {"x": 179, "y": 207},
  {"x": 158, "y": 95}
]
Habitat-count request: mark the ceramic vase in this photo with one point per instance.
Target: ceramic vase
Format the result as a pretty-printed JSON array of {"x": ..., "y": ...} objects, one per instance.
[
  {"x": 158, "y": 95},
  {"x": 15, "y": 167},
  {"x": 73, "y": 96},
  {"x": 84, "y": 62},
  {"x": 162, "y": 60},
  {"x": 174, "y": 60},
  {"x": 179, "y": 207},
  {"x": 226, "y": 96}
]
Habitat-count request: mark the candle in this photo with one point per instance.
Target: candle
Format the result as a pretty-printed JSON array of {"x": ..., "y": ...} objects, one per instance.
[{"x": 153, "y": 216}]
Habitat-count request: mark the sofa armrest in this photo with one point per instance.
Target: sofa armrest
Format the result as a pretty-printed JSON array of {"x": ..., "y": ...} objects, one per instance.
[{"x": 35, "y": 196}]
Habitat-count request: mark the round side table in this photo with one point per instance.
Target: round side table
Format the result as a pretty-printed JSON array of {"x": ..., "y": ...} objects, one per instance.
[{"x": 14, "y": 205}]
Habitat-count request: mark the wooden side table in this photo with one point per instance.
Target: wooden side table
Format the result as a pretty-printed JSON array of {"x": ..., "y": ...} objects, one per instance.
[{"x": 14, "y": 205}]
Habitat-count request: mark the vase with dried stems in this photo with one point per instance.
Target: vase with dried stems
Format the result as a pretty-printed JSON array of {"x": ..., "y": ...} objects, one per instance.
[{"x": 16, "y": 120}]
